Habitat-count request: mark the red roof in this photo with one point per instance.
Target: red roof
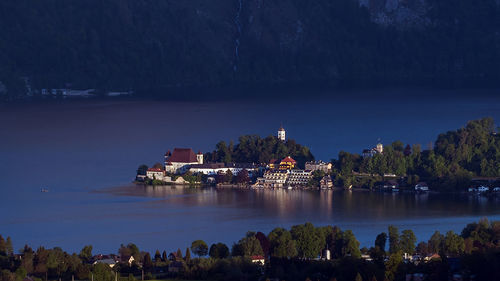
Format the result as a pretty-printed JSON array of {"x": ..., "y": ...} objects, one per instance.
[
  {"x": 288, "y": 159},
  {"x": 183, "y": 155},
  {"x": 155, "y": 170},
  {"x": 257, "y": 257}
]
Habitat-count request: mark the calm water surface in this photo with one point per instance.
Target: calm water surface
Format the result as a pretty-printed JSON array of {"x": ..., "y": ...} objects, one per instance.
[{"x": 86, "y": 153}]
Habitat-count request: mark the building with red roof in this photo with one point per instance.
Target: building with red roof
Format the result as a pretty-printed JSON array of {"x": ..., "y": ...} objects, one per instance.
[
  {"x": 287, "y": 163},
  {"x": 179, "y": 161}
]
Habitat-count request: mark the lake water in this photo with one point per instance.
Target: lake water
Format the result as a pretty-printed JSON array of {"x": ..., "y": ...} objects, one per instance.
[{"x": 86, "y": 154}]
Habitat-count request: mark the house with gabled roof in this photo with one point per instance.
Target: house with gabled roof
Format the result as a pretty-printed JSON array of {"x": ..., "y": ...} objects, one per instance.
[{"x": 179, "y": 161}]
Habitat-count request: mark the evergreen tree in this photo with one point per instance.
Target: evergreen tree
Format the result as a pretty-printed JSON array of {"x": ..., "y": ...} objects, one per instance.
[{"x": 187, "y": 257}]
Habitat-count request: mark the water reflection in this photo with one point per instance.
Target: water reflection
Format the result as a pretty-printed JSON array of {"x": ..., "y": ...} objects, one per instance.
[{"x": 323, "y": 206}]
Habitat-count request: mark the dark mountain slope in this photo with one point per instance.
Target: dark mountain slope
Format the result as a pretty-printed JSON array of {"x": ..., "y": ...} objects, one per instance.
[{"x": 158, "y": 45}]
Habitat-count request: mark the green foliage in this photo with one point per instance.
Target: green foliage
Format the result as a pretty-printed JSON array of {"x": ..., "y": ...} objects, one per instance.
[
  {"x": 456, "y": 158},
  {"x": 453, "y": 244},
  {"x": 219, "y": 251},
  {"x": 102, "y": 272},
  {"x": 147, "y": 263},
  {"x": 391, "y": 266},
  {"x": 199, "y": 248},
  {"x": 248, "y": 246},
  {"x": 86, "y": 253},
  {"x": 436, "y": 242},
  {"x": 408, "y": 241},
  {"x": 142, "y": 170},
  {"x": 282, "y": 244},
  {"x": 254, "y": 149},
  {"x": 394, "y": 245},
  {"x": 381, "y": 240},
  {"x": 309, "y": 240}
]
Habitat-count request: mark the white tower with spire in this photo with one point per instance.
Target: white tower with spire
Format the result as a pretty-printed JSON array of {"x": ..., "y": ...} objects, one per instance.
[{"x": 281, "y": 134}]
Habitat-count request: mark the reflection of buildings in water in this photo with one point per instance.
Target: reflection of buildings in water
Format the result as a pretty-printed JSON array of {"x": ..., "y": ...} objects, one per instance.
[{"x": 326, "y": 203}]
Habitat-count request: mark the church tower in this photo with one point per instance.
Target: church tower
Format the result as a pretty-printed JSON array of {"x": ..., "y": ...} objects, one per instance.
[
  {"x": 281, "y": 134},
  {"x": 199, "y": 157}
]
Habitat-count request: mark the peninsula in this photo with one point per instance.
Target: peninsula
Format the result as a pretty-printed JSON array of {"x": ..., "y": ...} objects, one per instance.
[{"x": 467, "y": 159}]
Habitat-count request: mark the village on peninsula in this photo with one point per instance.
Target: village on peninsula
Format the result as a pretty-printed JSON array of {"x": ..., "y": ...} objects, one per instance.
[
  {"x": 279, "y": 162},
  {"x": 183, "y": 166}
]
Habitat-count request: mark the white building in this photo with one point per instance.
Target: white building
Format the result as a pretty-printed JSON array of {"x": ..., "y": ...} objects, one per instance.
[
  {"x": 213, "y": 169},
  {"x": 318, "y": 166},
  {"x": 281, "y": 134},
  {"x": 298, "y": 178},
  {"x": 179, "y": 161},
  {"x": 157, "y": 174},
  {"x": 379, "y": 149},
  {"x": 273, "y": 179}
]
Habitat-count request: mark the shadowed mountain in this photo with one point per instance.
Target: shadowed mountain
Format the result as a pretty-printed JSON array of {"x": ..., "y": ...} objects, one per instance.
[{"x": 155, "y": 47}]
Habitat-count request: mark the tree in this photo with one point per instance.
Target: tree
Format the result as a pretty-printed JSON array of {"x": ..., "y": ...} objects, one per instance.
[
  {"x": 453, "y": 244},
  {"x": 187, "y": 257},
  {"x": 142, "y": 170},
  {"x": 158, "y": 256},
  {"x": 422, "y": 249},
  {"x": 86, "y": 253},
  {"x": 351, "y": 245},
  {"x": 436, "y": 242},
  {"x": 250, "y": 246},
  {"x": 228, "y": 176},
  {"x": 158, "y": 166},
  {"x": 381, "y": 240},
  {"x": 178, "y": 254},
  {"x": 219, "y": 251},
  {"x": 199, "y": 248},
  {"x": 408, "y": 240},
  {"x": 164, "y": 256},
  {"x": 391, "y": 266},
  {"x": 8, "y": 246},
  {"x": 308, "y": 239},
  {"x": 147, "y": 263},
  {"x": 3, "y": 246},
  {"x": 101, "y": 272},
  {"x": 393, "y": 239},
  {"x": 242, "y": 176},
  {"x": 281, "y": 243},
  {"x": 264, "y": 243}
]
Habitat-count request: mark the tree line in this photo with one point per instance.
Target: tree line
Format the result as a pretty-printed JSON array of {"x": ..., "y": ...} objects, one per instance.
[
  {"x": 254, "y": 149},
  {"x": 290, "y": 254}
]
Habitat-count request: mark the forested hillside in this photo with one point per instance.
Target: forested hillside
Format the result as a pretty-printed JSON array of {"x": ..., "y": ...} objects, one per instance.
[
  {"x": 154, "y": 47},
  {"x": 457, "y": 156}
]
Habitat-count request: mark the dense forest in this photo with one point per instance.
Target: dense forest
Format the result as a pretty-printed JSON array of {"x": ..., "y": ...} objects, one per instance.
[
  {"x": 160, "y": 47},
  {"x": 254, "y": 149},
  {"x": 456, "y": 157},
  {"x": 290, "y": 254}
]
